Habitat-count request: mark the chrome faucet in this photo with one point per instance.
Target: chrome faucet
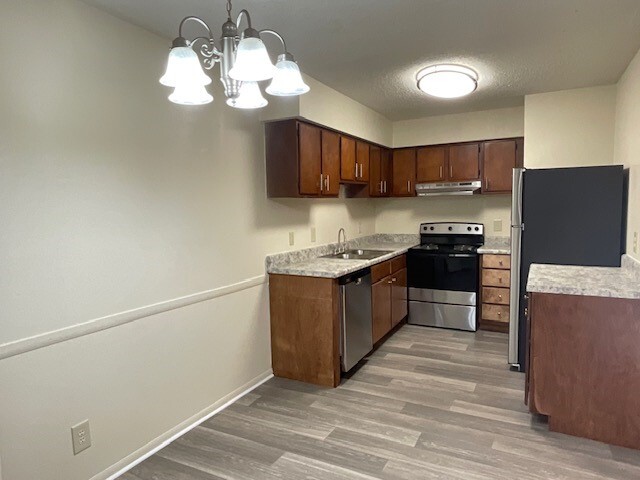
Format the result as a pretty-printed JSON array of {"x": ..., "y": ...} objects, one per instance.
[{"x": 342, "y": 245}]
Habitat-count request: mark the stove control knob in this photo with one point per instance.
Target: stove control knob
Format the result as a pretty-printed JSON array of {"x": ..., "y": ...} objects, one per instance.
[
  {"x": 477, "y": 228},
  {"x": 469, "y": 229},
  {"x": 432, "y": 228},
  {"x": 450, "y": 228}
]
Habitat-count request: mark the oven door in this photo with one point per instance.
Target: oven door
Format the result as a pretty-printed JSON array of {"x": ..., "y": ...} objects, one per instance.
[{"x": 443, "y": 277}]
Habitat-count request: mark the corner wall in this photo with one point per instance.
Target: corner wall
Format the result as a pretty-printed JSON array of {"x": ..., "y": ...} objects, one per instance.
[
  {"x": 570, "y": 128},
  {"x": 627, "y": 145}
]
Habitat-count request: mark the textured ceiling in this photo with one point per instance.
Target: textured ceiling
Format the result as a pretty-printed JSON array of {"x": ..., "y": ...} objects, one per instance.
[{"x": 370, "y": 50}]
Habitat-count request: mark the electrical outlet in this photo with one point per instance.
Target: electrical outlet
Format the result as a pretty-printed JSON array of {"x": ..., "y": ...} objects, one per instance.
[
  {"x": 313, "y": 234},
  {"x": 635, "y": 242},
  {"x": 291, "y": 238},
  {"x": 497, "y": 225},
  {"x": 81, "y": 437}
]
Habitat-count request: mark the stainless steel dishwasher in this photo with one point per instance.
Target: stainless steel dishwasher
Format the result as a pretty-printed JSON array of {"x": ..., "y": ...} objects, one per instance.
[{"x": 355, "y": 313}]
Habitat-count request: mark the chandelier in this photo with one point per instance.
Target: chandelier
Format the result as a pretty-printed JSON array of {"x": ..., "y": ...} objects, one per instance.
[{"x": 244, "y": 61}]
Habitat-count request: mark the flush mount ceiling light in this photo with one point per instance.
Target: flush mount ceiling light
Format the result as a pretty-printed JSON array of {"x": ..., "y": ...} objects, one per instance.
[
  {"x": 244, "y": 61},
  {"x": 447, "y": 81}
]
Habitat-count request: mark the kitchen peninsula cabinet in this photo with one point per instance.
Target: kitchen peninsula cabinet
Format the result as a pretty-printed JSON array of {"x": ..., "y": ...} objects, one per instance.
[
  {"x": 306, "y": 319},
  {"x": 404, "y": 172},
  {"x": 582, "y": 366}
]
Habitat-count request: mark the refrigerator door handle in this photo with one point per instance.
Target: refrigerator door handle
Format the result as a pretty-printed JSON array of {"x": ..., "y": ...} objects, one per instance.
[{"x": 514, "y": 295}]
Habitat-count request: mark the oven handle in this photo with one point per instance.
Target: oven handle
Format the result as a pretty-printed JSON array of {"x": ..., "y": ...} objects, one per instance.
[{"x": 457, "y": 255}]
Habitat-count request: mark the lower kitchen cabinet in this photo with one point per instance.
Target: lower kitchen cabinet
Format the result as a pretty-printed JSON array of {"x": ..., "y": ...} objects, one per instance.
[
  {"x": 494, "y": 293},
  {"x": 582, "y": 366},
  {"x": 388, "y": 295}
]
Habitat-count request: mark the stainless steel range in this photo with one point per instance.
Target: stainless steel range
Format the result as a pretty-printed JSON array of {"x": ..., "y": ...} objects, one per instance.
[{"x": 443, "y": 276}]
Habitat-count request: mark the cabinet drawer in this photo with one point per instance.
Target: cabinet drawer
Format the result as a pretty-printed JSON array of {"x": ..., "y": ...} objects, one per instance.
[
  {"x": 495, "y": 278},
  {"x": 380, "y": 270},
  {"x": 398, "y": 263},
  {"x": 495, "y": 295},
  {"x": 497, "y": 313},
  {"x": 496, "y": 261}
]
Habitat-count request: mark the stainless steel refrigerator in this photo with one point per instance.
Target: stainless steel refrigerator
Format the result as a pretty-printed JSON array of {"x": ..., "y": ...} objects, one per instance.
[{"x": 562, "y": 216}]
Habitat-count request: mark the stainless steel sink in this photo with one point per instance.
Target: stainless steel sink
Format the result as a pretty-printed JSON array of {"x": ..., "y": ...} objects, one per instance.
[{"x": 358, "y": 254}]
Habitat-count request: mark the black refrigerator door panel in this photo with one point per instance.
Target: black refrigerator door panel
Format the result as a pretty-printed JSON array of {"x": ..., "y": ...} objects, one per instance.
[{"x": 571, "y": 216}]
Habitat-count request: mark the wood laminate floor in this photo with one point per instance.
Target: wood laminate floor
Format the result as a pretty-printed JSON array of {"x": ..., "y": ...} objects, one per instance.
[{"x": 428, "y": 404}]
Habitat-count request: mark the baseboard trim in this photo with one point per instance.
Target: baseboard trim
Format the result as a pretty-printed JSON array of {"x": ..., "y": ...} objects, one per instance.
[
  {"x": 130, "y": 461},
  {"x": 42, "y": 340}
]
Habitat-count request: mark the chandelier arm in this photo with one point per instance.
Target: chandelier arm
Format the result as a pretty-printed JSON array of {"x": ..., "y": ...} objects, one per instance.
[
  {"x": 244, "y": 13},
  {"x": 197, "y": 20},
  {"x": 277, "y": 35}
]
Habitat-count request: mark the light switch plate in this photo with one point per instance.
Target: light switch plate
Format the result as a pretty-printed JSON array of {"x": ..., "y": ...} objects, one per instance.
[
  {"x": 81, "y": 437},
  {"x": 291, "y": 238},
  {"x": 497, "y": 225}
]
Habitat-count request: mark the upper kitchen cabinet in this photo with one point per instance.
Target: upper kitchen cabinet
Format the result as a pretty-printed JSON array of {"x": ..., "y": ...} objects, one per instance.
[
  {"x": 404, "y": 172},
  {"x": 303, "y": 160},
  {"x": 500, "y": 158},
  {"x": 362, "y": 161},
  {"x": 379, "y": 172},
  {"x": 464, "y": 162},
  {"x": 431, "y": 163},
  {"x": 354, "y": 164},
  {"x": 348, "y": 164}
]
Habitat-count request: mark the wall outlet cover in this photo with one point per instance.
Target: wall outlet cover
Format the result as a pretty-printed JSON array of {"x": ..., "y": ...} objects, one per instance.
[
  {"x": 497, "y": 225},
  {"x": 81, "y": 437},
  {"x": 291, "y": 238},
  {"x": 635, "y": 242},
  {"x": 313, "y": 234}
]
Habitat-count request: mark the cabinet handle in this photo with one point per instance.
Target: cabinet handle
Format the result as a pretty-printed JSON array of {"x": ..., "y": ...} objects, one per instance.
[
  {"x": 499, "y": 313},
  {"x": 450, "y": 171},
  {"x": 408, "y": 186},
  {"x": 360, "y": 170},
  {"x": 385, "y": 186},
  {"x": 441, "y": 172},
  {"x": 381, "y": 186},
  {"x": 389, "y": 282},
  {"x": 394, "y": 280},
  {"x": 321, "y": 182},
  {"x": 486, "y": 187},
  {"x": 328, "y": 183}
]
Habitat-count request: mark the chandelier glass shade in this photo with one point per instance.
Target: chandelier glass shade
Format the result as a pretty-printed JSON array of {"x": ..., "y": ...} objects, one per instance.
[{"x": 244, "y": 61}]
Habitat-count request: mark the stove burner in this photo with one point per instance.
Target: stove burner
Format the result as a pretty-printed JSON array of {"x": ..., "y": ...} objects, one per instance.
[
  {"x": 464, "y": 248},
  {"x": 430, "y": 246}
]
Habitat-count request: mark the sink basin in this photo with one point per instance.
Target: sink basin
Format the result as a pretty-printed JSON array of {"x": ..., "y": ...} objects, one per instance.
[{"x": 358, "y": 254}]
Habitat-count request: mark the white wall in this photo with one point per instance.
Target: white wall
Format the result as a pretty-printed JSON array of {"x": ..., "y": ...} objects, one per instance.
[
  {"x": 627, "y": 144},
  {"x": 403, "y": 215},
  {"x": 112, "y": 199},
  {"x": 570, "y": 128},
  {"x": 499, "y": 123}
]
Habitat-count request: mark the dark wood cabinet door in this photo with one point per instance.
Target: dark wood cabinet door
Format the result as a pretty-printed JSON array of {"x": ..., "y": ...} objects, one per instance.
[
  {"x": 499, "y": 162},
  {"x": 347, "y": 158},
  {"x": 375, "y": 172},
  {"x": 385, "y": 171},
  {"x": 331, "y": 163},
  {"x": 381, "y": 308},
  {"x": 404, "y": 172},
  {"x": 362, "y": 160},
  {"x": 309, "y": 157},
  {"x": 464, "y": 162},
  {"x": 431, "y": 164},
  {"x": 399, "y": 303}
]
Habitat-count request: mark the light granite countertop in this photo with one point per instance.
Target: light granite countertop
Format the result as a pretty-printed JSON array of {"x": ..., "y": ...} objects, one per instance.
[
  {"x": 496, "y": 246},
  {"x": 614, "y": 282},
  {"x": 307, "y": 263}
]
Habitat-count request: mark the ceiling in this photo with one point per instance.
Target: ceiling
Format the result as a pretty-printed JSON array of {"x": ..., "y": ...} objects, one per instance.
[{"x": 370, "y": 50}]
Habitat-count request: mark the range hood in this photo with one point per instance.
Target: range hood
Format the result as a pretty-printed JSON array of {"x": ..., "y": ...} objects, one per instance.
[{"x": 449, "y": 188}]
